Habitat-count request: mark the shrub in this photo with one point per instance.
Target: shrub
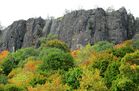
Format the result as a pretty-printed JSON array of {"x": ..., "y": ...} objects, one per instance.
[
  {"x": 57, "y": 44},
  {"x": 124, "y": 84},
  {"x": 21, "y": 79},
  {"x": 72, "y": 77},
  {"x": 130, "y": 67},
  {"x": 135, "y": 44},
  {"x": 12, "y": 87},
  {"x": 3, "y": 79},
  {"x": 102, "y": 45},
  {"x": 92, "y": 81},
  {"x": 20, "y": 55},
  {"x": 45, "y": 51},
  {"x": 57, "y": 60},
  {"x": 131, "y": 58},
  {"x": 121, "y": 52},
  {"x": 14, "y": 72},
  {"x": 8, "y": 64},
  {"x": 1, "y": 70},
  {"x": 124, "y": 44},
  {"x": 17, "y": 59},
  {"x": 111, "y": 73},
  {"x": 37, "y": 80},
  {"x": 1, "y": 87},
  {"x": 84, "y": 53},
  {"x": 101, "y": 65},
  {"x": 53, "y": 83},
  {"x": 130, "y": 71},
  {"x": 101, "y": 61},
  {"x": 31, "y": 64},
  {"x": 3, "y": 54},
  {"x": 49, "y": 37}
]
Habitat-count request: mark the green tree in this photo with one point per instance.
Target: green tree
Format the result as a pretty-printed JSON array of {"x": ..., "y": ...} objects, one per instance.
[
  {"x": 17, "y": 59},
  {"x": 57, "y": 60},
  {"x": 123, "y": 84},
  {"x": 44, "y": 40},
  {"x": 121, "y": 52},
  {"x": 111, "y": 73},
  {"x": 102, "y": 45},
  {"x": 72, "y": 77},
  {"x": 57, "y": 44}
]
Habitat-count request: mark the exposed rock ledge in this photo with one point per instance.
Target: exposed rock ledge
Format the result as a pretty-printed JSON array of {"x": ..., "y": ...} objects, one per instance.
[{"x": 75, "y": 28}]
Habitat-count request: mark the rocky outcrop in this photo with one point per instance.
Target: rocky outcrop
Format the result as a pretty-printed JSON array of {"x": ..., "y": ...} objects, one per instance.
[
  {"x": 82, "y": 27},
  {"x": 21, "y": 34},
  {"x": 13, "y": 35},
  {"x": 33, "y": 31},
  {"x": 136, "y": 35},
  {"x": 76, "y": 28}
]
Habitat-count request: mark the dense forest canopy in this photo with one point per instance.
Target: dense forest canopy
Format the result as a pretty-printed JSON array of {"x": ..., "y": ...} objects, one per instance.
[{"x": 103, "y": 66}]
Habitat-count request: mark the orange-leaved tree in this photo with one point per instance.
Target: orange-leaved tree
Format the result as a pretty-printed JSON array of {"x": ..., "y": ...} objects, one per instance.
[{"x": 3, "y": 54}]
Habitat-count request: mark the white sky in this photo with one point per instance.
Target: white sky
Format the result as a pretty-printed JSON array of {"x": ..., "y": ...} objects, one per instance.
[{"x": 11, "y": 10}]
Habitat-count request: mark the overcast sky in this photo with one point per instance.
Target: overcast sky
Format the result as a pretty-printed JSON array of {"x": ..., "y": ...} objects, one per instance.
[{"x": 11, "y": 10}]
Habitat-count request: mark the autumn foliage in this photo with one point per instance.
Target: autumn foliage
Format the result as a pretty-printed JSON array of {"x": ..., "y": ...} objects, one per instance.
[
  {"x": 3, "y": 54},
  {"x": 53, "y": 67}
]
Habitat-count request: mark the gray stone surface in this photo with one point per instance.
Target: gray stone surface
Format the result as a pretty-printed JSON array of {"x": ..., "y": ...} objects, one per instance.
[
  {"x": 13, "y": 35},
  {"x": 21, "y": 34},
  {"x": 81, "y": 27},
  {"x": 34, "y": 29},
  {"x": 76, "y": 28}
]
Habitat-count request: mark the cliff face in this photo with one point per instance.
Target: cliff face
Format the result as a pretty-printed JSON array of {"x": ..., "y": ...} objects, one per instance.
[
  {"x": 12, "y": 36},
  {"x": 82, "y": 27},
  {"x": 21, "y": 34},
  {"x": 76, "y": 28}
]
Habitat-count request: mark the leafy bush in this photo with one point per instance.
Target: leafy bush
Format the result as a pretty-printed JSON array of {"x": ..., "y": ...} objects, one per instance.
[
  {"x": 84, "y": 53},
  {"x": 3, "y": 54},
  {"x": 1, "y": 87},
  {"x": 3, "y": 79},
  {"x": 101, "y": 61},
  {"x": 130, "y": 71},
  {"x": 17, "y": 59},
  {"x": 121, "y": 52},
  {"x": 102, "y": 45},
  {"x": 46, "y": 51},
  {"x": 21, "y": 79},
  {"x": 12, "y": 87},
  {"x": 37, "y": 80},
  {"x": 124, "y": 44},
  {"x": 101, "y": 65},
  {"x": 72, "y": 77},
  {"x": 92, "y": 81},
  {"x": 135, "y": 44},
  {"x": 131, "y": 58},
  {"x": 53, "y": 83},
  {"x": 111, "y": 73},
  {"x": 130, "y": 66},
  {"x": 14, "y": 72},
  {"x": 124, "y": 84},
  {"x": 49, "y": 37},
  {"x": 32, "y": 64},
  {"x": 8, "y": 64},
  {"x": 57, "y": 60},
  {"x": 20, "y": 55},
  {"x": 57, "y": 44}
]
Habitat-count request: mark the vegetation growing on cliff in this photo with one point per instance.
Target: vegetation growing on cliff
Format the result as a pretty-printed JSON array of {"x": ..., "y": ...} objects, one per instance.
[{"x": 54, "y": 67}]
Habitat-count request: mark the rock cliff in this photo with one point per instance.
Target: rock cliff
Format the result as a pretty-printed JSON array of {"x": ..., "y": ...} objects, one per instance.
[{"x": 76, "y": 28}]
